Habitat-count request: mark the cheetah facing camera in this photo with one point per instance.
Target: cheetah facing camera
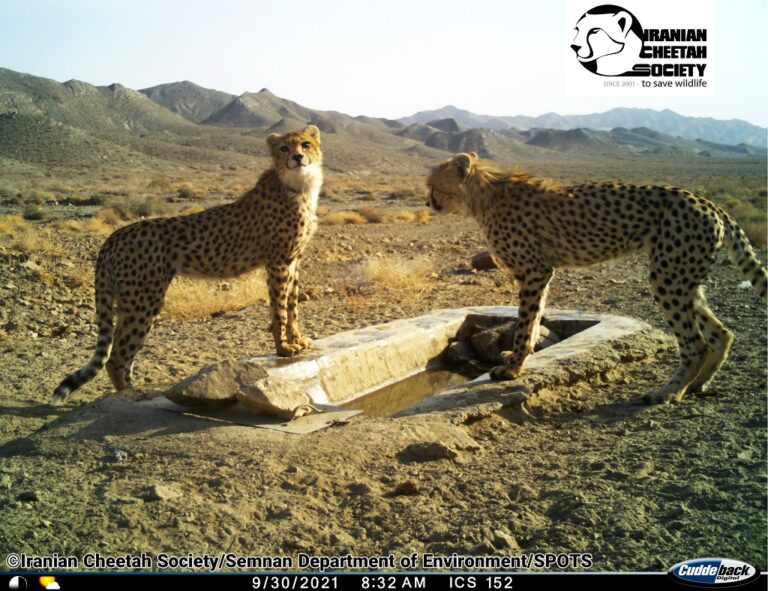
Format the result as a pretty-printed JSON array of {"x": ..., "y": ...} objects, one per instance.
[
  {"x": 268, "y": 226},
  {"x": 533, "y": 227}
]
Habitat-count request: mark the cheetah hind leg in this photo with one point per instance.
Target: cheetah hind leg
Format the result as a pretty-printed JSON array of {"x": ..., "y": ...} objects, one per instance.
[
  {"x": 693, "y": 353},
  {"x": 719, "y": 340},
  {"x": 133, "y": 327}
]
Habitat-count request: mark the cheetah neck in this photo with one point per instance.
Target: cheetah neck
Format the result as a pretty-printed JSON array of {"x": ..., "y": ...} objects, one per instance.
[
  {"x": 306, "y": 182},
  {"x": 477, "y": 200}
]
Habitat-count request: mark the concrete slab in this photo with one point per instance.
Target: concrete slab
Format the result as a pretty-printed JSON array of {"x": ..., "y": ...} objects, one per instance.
[{"x": 352, "y": 364}]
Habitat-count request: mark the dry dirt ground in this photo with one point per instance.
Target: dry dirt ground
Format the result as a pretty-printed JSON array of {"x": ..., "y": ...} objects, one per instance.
[{"x": 587, "y": 469}]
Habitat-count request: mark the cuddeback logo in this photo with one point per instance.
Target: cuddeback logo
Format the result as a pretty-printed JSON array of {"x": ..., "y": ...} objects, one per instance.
[
  {"x": 610, "y": 41},
  {"x": 720, "y": 572}
]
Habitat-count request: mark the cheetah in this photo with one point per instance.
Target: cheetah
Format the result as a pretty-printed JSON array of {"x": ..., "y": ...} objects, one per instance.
[
  {"x": 534, "y": 226},
  {"x": 269, "y": 226}
]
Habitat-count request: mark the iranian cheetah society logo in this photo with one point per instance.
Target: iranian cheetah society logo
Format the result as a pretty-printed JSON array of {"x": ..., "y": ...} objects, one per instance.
[{"x": 611, "y": 52}]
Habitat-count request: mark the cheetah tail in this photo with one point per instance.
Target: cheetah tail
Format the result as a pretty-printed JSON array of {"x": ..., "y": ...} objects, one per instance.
[
  {"x": 742, "y": 255},
  {"x": 84, "y": 375}
]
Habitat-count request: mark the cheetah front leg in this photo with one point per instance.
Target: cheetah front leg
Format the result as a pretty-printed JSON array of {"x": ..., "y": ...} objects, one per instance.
[
  {"x": 534, "y": 285},
  {"x": 279, "y": 283},
  {"x": 293, "y": 330}
]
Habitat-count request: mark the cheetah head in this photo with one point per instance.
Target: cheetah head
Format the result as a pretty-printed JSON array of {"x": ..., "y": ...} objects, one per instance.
[
  {"x": 446, "y": 183},
  {"x": 297, "y": 157}
]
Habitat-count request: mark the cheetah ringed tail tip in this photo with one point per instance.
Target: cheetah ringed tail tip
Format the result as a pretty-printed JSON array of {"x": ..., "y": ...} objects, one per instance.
[
  {"x": 742, "y": 255},
  {"x": 84, "y": 375}
]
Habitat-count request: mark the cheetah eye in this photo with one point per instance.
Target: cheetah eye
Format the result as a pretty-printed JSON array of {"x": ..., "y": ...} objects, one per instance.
[
  {"x": 284, "y": 149},
  {"x": 305, "y": 145}
]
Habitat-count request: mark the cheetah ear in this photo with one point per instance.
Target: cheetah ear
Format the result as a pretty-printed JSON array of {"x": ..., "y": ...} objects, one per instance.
[
  {"x": 464, "y": 163},
  {"x": 474, "y": 155},
  {"x": 313, "y": 131},
  {"x": 272, "y": 140}
]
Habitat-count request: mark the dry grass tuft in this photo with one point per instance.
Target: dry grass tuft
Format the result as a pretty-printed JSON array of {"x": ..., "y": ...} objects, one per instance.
[
  {"x": 340, "y": 218},
  {"x": 193, "y": 298},
  {"x": 88, "y": 226},
  {"x": 22, "y": 236},
  {"x": 398, "y": 273},
  {"x": 374, "y": 215},
  {"x": 190, "y": 191},
  {"x": 423, "y": 216},
  {"x": 109, "y": 217},
  {"x": 11, "y": 223}
]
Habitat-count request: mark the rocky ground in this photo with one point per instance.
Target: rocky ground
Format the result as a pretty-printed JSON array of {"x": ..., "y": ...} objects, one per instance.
[{"x": 584, "y": 469}]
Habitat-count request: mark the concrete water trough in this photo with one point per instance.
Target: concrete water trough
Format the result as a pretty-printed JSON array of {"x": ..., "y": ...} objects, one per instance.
[{"x": 397, "y": 368}]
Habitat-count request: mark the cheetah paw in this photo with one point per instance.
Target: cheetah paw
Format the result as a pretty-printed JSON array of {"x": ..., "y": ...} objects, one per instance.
[
  {"x": 303, "y": 342},
  {"x": 502, "y": 372},
  {"x": 286, "y": 349},
  {"x": 664, "y": 395}
]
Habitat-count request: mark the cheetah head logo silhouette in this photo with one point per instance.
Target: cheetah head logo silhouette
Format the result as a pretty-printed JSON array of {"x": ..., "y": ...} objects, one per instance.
[{"x": 608, "y": 40}]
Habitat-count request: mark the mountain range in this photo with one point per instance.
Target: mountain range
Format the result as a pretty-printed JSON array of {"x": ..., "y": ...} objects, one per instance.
[
  {"x": 46, "y": 122},
  {"x": 733, "y": 131}
]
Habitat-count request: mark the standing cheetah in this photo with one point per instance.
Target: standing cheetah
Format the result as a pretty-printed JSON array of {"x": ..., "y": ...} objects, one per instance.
[
  {"x": 533, "y": 227},
  {"x": 268, "y": 226}
]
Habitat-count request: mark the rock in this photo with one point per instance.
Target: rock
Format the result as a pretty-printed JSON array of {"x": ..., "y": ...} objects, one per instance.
[
  {"x": 474, "y": 323},
  {"x": 503, "y": 540},
  {"x": 162, "y": 492},
  {"x": 431, "y": 450},
  {"x": 119, "y": 455},
  {"x": 484, "y": 261},
  {"x": 213, "y": 387},
  {"x": 487, "y": 343},
  {"x": 360, "y": 488},
  {"x": 484, "y": 547},
  {"x": 406, "y": 488},
  {"x": 458, "y": 353}
]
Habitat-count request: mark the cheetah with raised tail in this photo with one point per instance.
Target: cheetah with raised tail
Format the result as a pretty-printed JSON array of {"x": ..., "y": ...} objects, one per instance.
[
  {"x": 269, "y": 226},
  {"x": 533, "y": 227}
]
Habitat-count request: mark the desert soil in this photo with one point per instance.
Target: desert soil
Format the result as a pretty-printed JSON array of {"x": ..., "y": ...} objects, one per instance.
[{"x": 586, "y": 469}]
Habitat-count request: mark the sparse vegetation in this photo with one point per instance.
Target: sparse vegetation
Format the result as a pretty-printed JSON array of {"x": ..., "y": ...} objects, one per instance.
[
  {"x": 374, "y": 215},
  {"x": 191, "y": 299},
  {"x": 398, "y": 273},
  {"x": 339, "y": 218},
  {"x": 35, "y": 213},
  {"x": 138, "y": 206}
]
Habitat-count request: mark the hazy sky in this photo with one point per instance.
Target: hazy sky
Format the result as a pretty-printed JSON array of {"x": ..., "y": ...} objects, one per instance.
[{"x": 386, "y": 58}]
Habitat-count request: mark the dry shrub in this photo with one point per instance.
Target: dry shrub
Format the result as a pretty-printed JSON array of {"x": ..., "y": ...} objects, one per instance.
[
  {"x": 194, "y": 298},
  {"x": 339, "y": 218},
  {"x": 190, "y": 191},
  {"x": 11, "y": 223},
  {"x": 751, "y": 218},
  {"x": 376, "y": 215},
  {"x": 160, "y": 185},
  {"x": 90, "y": 226},
  {"x": 398, "y": 273},
  {"x": 108, "y": 216},
  {"x": 757, "y": 232},
  {"x": 35, "y": 213},
  {"x": 423, "y": 216},
  {"x": 23, "y": 236},
  {"x": 138, "y": 206},
  {"x": 380, "y": 215}
]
